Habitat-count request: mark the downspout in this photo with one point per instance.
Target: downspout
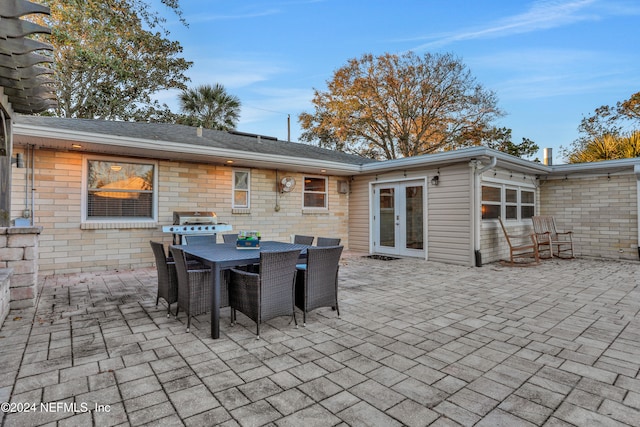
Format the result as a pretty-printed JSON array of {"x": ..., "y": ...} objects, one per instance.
[
  {"x": 636, "y": 171},
  {"x": 477, "y": 202}
]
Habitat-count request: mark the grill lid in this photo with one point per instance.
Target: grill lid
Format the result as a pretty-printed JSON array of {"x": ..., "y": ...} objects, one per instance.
[{"x": 194, "y": 217}]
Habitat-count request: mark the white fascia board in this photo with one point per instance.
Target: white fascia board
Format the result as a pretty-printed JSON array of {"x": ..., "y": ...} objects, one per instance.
[
  {"x": 612, "y": 166},
  {"x": 176, "y": 147},
  {"x": 456, "y": 156}
]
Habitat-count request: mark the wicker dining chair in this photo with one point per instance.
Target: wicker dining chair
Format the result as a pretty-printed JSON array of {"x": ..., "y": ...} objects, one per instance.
[
  {"x": 192, "y": 239},
  {"x": 230, "y": 238},
  {"x": 303, "y": 240},
  {"x": 268, "y": 294},
  {"x": 194, "y": 287},
  {"x": 328, "y": 241},
  {"x": 317, "y": 282},
  {"x": 167, "y": 279}
]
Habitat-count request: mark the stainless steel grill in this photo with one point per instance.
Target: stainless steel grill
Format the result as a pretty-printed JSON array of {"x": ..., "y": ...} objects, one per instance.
[
  {"x": 195, "y": 223},
  {"x": 193, "y": 218}
]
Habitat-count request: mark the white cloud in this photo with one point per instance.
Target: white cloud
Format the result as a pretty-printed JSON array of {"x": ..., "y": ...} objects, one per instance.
[{"x": 543, "y": 14}]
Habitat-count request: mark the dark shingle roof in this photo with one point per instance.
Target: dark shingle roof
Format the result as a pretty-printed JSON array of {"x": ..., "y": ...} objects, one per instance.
[{"x": 167, "y": 133}]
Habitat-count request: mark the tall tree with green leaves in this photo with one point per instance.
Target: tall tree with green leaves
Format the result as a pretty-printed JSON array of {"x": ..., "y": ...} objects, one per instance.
[
  {"x": 110, "y": 59},
  {"x": 610, "y": 131},
  {"x": 393, "y": 106},
  {"x": 210, "y": 107},
  {"x": 500, "y": 139}
]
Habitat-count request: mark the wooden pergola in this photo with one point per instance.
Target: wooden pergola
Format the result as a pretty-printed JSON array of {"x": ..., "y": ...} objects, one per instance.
[{"x": 26, "y": 86}]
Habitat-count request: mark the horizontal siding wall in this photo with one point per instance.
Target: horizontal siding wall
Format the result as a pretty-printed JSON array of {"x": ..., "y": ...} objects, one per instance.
[
  {"x": 448, "y": 212},
  {"x": 601, "y": 211},
  {"x": 359, "y": 214},
  {"x": 67, "y": 246},
  {"x": 449, "y": 231}
]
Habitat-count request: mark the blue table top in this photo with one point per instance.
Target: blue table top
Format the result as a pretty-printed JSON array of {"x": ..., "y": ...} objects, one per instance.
[{"x": 226, "y": 254}]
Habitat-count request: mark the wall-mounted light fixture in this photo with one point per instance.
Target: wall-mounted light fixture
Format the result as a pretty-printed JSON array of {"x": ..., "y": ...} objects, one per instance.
[
  {"x": 436, "y": 178},
  {"x": 18, "y": 160}
]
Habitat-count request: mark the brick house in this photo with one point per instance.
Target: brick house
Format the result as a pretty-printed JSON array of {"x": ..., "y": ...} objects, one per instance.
[{"x": 441, "y": 207}]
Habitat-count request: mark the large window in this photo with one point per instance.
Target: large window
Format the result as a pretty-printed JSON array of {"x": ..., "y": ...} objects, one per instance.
[
  {"x": 119, "y": 190},
  {"x": 509, "y": 202},
  {"x": 241, "y": 195},
  {"x": 315, "y": 192}
]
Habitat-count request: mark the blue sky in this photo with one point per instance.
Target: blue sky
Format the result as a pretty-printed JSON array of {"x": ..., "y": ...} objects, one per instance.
[{"x": 550, "y": 62}]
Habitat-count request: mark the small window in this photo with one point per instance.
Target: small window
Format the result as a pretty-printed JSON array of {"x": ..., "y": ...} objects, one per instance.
[
  {"x": 315, "y": 192},
  {"x": 241, "y": 180},
  {"x": 491, "y": 202},
  {"x": 119, "y": 190},
  {"x": 527, "y": 204},
  {"x": 511, "y": 204}
]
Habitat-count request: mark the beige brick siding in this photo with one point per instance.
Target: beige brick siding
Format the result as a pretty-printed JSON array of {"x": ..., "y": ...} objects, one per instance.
[
  {"x": 494, "y": 245},
  {"x": 68, "y": 246},
  {"x": 601, "y": 211}
]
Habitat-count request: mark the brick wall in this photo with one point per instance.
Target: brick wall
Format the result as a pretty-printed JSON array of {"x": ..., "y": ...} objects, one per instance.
[
  {"x": 601, "y": 211},
  {"x": 68, "y": 246},
  {"x": 19, "y": 253}
]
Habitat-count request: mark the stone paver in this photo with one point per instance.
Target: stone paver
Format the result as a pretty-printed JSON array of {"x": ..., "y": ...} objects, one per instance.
[{"x": 418, "y": 344}]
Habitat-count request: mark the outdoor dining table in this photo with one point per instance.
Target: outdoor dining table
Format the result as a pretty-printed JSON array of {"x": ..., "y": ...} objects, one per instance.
[{"x": 223, "y": 256}]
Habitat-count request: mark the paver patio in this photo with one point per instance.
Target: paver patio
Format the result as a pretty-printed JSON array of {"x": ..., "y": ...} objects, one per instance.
[{"x": 418, "y": 343}]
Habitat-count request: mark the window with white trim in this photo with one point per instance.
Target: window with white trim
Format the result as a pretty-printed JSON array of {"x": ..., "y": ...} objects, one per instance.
[
  {"x": 314, "y": 192},
  {"x": 527, "y": 203},
  {"x": 119, "y": 190},
  {"x": 509, "y": 202},
  {"x": 241, "y": 189},
  {"x": 491, "y": 202}
]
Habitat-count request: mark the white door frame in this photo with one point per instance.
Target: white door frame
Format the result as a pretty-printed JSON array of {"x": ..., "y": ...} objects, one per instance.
[{"x": 400, "y": 221}]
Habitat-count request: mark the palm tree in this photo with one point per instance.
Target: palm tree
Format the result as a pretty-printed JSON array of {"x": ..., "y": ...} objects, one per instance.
[
  {"x": 608, "y": 147},
  {"x": 210, "y": 106}
]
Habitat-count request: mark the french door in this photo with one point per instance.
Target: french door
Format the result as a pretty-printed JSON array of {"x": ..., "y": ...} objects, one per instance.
[{"x": 398, "y": 218}]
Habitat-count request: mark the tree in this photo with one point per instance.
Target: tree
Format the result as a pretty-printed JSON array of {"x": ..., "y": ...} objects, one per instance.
[
  {"x": 209, "y": 106},
  {"x": 394, "y": 106},
  {"x": 500, "y": 139},
  {"x": 609, "y": 126},
  {"x": 607, "y": 147},
  {"x": 107, "y": 64}
]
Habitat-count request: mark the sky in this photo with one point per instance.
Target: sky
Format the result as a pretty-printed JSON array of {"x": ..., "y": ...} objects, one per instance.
[{"x": 549, "y": 62}]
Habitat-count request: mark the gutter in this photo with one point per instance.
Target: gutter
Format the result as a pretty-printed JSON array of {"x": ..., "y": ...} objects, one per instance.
[
  {"x": 476, "y": 202},
  {"x": 267, "y": 160}
]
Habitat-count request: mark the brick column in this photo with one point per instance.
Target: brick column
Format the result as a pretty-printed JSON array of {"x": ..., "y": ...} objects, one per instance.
[{"x": 19, "y": 252}]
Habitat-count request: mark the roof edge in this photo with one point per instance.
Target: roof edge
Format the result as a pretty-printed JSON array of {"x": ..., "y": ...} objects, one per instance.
[{"x": 177, "y": 147}]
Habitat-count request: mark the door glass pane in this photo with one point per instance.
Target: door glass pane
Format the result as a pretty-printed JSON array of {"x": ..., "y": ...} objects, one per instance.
[
  {"x": 387, "y": 217},
  {"x": 414, "y": 205}
]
